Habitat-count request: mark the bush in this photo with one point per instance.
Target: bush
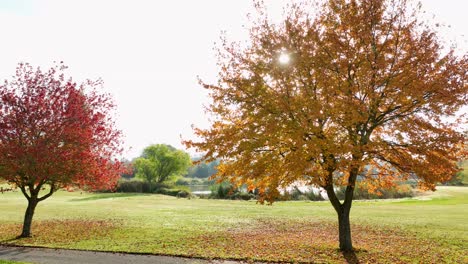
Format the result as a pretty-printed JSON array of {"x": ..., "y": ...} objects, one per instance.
[
  {"x": 403, "y": 191},
  {"x": 167, "y": 191},
  {"x": 184, "y": 181},
  {"x": 132, "y": 186},
  {"x": 136, "y": 186},
  {"x": 184, "y": 194},
  {"x": 298, "y": 195},
  {"x": 222, "y": 191},
  {"x": 227, "y": 191},
  {"x": 461, "y": 177},
  {"x": 340, "y": 192},
  {"x": 312, "y": 196},
  {"x": 242, "y": 196},
  {"x": 177, "y": 191},
  {"x": 362, "y": 193}
]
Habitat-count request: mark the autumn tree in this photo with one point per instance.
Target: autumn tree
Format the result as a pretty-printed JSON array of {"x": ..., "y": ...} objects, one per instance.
[
  {"x": 55, "y": 133},
  {"x": 336, "y": 88},
  {"x": 160, "y": 162}
]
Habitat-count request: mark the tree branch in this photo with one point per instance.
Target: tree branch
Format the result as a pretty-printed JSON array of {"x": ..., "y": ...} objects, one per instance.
[
  {"x": 23, "y": 190},
  {"x": 51, "y": 191},
  {"x": 331, "y": 193}
]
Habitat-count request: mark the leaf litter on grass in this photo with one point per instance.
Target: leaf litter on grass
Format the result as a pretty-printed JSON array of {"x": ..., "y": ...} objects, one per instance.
[
  {"x": 271, "y": 240},
  {"x": 57, "y": 233},
  {"x": 317, "y": 242}
]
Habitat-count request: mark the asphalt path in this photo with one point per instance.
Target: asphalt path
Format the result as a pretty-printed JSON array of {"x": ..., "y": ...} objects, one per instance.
[{"x": 65, "y": 256}]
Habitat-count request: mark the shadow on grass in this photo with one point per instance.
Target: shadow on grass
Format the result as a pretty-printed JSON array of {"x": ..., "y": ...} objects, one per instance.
[
  {"x": 107, "y": 196},
  {"x": 350, "y": 257}
]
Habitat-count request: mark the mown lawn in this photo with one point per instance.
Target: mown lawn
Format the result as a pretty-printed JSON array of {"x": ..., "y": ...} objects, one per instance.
[{"x": 427, "y": 229}]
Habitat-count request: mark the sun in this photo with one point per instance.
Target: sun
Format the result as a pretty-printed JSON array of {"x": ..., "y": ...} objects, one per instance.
[{"x": 284, "y": 58}]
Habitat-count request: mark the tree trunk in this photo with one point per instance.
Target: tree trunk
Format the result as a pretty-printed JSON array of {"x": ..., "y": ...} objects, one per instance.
[
  {"x": 343, "y": 210},
  {"x": 28, "y": 216},
  {"x": 345, "y": 230}
]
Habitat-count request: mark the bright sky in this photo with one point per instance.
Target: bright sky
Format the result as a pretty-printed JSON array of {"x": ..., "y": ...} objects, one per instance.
[{"x": 149, "y": 53}]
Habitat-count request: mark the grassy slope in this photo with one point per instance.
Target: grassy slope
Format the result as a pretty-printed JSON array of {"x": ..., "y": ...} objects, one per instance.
[{"x": 384, "y": 231}]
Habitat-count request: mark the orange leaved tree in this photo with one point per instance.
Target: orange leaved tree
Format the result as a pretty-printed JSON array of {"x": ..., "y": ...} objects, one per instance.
[
  {"x": 355, "y": 91},
  {"x": 55, "y": 134}
]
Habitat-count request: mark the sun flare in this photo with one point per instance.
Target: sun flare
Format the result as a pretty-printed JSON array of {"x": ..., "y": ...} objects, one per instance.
[{"x": 284, "y": 58}]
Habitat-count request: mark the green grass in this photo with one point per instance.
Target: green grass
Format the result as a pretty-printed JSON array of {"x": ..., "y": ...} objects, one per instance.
[{"x": 428, "y": 228}]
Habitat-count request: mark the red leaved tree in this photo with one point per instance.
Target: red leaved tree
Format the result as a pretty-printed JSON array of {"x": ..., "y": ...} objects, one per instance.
[{"x": 55, "y": 133}]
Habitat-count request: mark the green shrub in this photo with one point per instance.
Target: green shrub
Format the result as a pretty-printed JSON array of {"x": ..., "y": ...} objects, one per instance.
[
  {"x": 177, "y": 191},
  {"x": 297, "y": 195},
  {"x": 340, "y": 192},
  {"x": 403, "y": 191},
  {"x": 167, "y": 191},
  {"x": 132, "y": 186},
  {"x": 183, "y": 181},
  {"x": 242, "y": 196},
  {"x": 184, "y": 194},
  {"x": 461, "y": 177},
  {"x": 227, "y": 191},
  {"x": 136, "y": 186},
  {"x": 362, "y": 193},
  {"x": 222, "y": 191},
  {"x": 312, "y": 196}
]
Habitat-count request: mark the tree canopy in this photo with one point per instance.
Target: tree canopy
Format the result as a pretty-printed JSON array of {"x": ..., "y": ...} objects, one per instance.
[
  {"x": 159, "y": 162},
  {"x": 336, "y": 87},
  {"x": 55, "y": 133}
]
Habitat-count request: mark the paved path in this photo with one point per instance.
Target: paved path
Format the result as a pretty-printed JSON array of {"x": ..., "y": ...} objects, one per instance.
[{"x": 65, "y": 256}]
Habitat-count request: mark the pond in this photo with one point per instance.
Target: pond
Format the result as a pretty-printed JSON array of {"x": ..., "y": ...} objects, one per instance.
[
  {"x": 200, "y": 189},
  {"x": 206, "y": 189}
]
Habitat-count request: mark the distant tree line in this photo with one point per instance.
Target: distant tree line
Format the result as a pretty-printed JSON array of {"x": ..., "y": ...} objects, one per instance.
[{"x": 202, "y": 170}]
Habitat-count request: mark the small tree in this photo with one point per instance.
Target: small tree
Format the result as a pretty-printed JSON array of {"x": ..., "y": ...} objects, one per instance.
[
  {"x": 321, "y": 96},
  {"x": 159, "y": 162},
  {"x": 55, "y": 133}
]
